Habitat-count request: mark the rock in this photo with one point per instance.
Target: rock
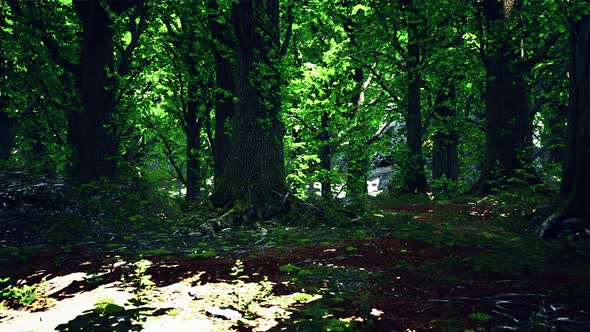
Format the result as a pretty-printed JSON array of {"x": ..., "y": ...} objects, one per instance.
[{"x": 223, "y": 313}]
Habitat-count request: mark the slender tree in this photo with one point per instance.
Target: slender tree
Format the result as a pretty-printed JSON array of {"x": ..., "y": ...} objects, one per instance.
[{"x": 223, "y": 47}]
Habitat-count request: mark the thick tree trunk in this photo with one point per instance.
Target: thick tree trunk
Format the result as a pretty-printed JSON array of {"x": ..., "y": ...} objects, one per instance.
[
  {"x": 576, "y": 177},
  {"x": 89, "y": 133},
  {"x": 575, "y": 187},
  {"x": 224, "y": 77},
  {"x": 445, "y": 162},
  {"x": 254, "y": 172},
  {"x": 415, "y": 179},
  {"x": 508, "y": 125}
]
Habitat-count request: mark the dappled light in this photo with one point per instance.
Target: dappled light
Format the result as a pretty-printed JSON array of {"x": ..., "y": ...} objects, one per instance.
[{"x": 318, "y": 165}]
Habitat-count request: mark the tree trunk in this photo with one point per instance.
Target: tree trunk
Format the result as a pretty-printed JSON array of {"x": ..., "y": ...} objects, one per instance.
[
  {"x": 575, "y": 187},
  {"x": 193, "y": 150},
  {"x": 192, "y": 115},
  {"x": 224, "y": 77},
  {"x": 415, "y": 179},
  {"x": 254, "y": 172},
  {"x": 358, "y": 163},
  {"x": 444, "y": 153},
  {"x": 576, "y": 178},
  {"x": 95, "y": 148},
  {"x": 508, "y": 126},
  {"x": 6, "y": 122},
  {"x": 325, "y": 155},
  {"x": 6, "y": 132}
]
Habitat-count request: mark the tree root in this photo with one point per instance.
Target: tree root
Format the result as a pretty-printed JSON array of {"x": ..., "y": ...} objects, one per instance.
[{"x": 556, "y": 226}]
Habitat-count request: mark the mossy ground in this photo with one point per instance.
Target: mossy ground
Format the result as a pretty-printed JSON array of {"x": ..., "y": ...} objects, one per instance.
[{"x": 404, "y": 265}]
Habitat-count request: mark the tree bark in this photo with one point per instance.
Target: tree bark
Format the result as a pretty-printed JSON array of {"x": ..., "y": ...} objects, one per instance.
[
  {"x": 254, "y": 172},
  {"x": 7, "y": 132},
  {"x": 576, "y": 178},
  {"x": 358, "y": 163},
  {"x": 194, "y": 172},
  {"x": 94, "y": 146},
  {"x": 444, "y": 153},
  {"x": 508, "y": 126},
  {"x": 575, "y": 186},
  {"x": 325, "y": 155},
  {"x": 224, "y": 77},
  {"x": 415, "y": 179}
]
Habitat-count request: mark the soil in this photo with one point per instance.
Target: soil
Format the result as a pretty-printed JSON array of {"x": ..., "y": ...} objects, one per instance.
[{"x": 378, "y": 282}]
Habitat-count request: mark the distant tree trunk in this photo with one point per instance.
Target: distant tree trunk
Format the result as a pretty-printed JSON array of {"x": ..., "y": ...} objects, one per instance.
[
  {"x": 575, "y": 187},
  {"x": 194, "y": 172},
  {"x": 325, "y": 156},
  {"x": 576, "y": 177},
  {"x": 415, "y": 179},
  {"x": 445, "y": 162},
  {"x": 6, "y": 132},
  {"x": 6, "y": 122},
  {"x": 94, "y": 146},
  {"x": 254, "y": 172},
  {"x": 557, "y": 124},
  {"x": 358, "y": 163},
  {"x": 193, "y": 117},
  {"x": 224, "y": 77},
  {"x": 508, "y": 127}
]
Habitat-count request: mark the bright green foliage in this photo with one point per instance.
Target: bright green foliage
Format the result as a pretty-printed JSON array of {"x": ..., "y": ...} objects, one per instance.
[
  {"x": 23, "y": 295},
  {"x": 141, "y": 285}
]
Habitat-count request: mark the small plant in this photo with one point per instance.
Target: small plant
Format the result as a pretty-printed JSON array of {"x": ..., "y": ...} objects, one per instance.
[
  {"x": 93, "y": 278},
  {"x": 480, "y": 317},
  {"x": 142, "y": 286},
  {"x": 108, "y": 307},
  {"x": 290, "y": 269},
  {"x": 24, "y": 295}
]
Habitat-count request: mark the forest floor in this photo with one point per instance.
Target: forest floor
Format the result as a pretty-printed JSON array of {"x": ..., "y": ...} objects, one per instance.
[{"x": 407, "y": 267}]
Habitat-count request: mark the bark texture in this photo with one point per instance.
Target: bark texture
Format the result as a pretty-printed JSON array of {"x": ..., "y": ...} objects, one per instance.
[
  {"x": 254, "y": 172},
  {"x": 415, "y": 179},
  {"x": 575, "y": 186},
  {"x": 576, "y": 177},
  {"x": 445, "y": 161},
  {"x": 325, "y": 156},
  {"x": 224, "y": 44},
  {"x": 94, "y": 146},
  {"x": 508, "y": 125}
]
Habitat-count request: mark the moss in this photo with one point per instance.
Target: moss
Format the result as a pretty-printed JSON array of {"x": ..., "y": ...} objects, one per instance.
[
  {"x": 289, "y": 268},
  {"x": 202, "y": 254}
]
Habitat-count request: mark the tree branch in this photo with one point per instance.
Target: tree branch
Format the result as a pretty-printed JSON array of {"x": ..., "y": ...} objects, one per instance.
[
  {"x": 51, "y": 45},
  {"x": 289, "y": 33},
  {"x": 539, "y": 55}
]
